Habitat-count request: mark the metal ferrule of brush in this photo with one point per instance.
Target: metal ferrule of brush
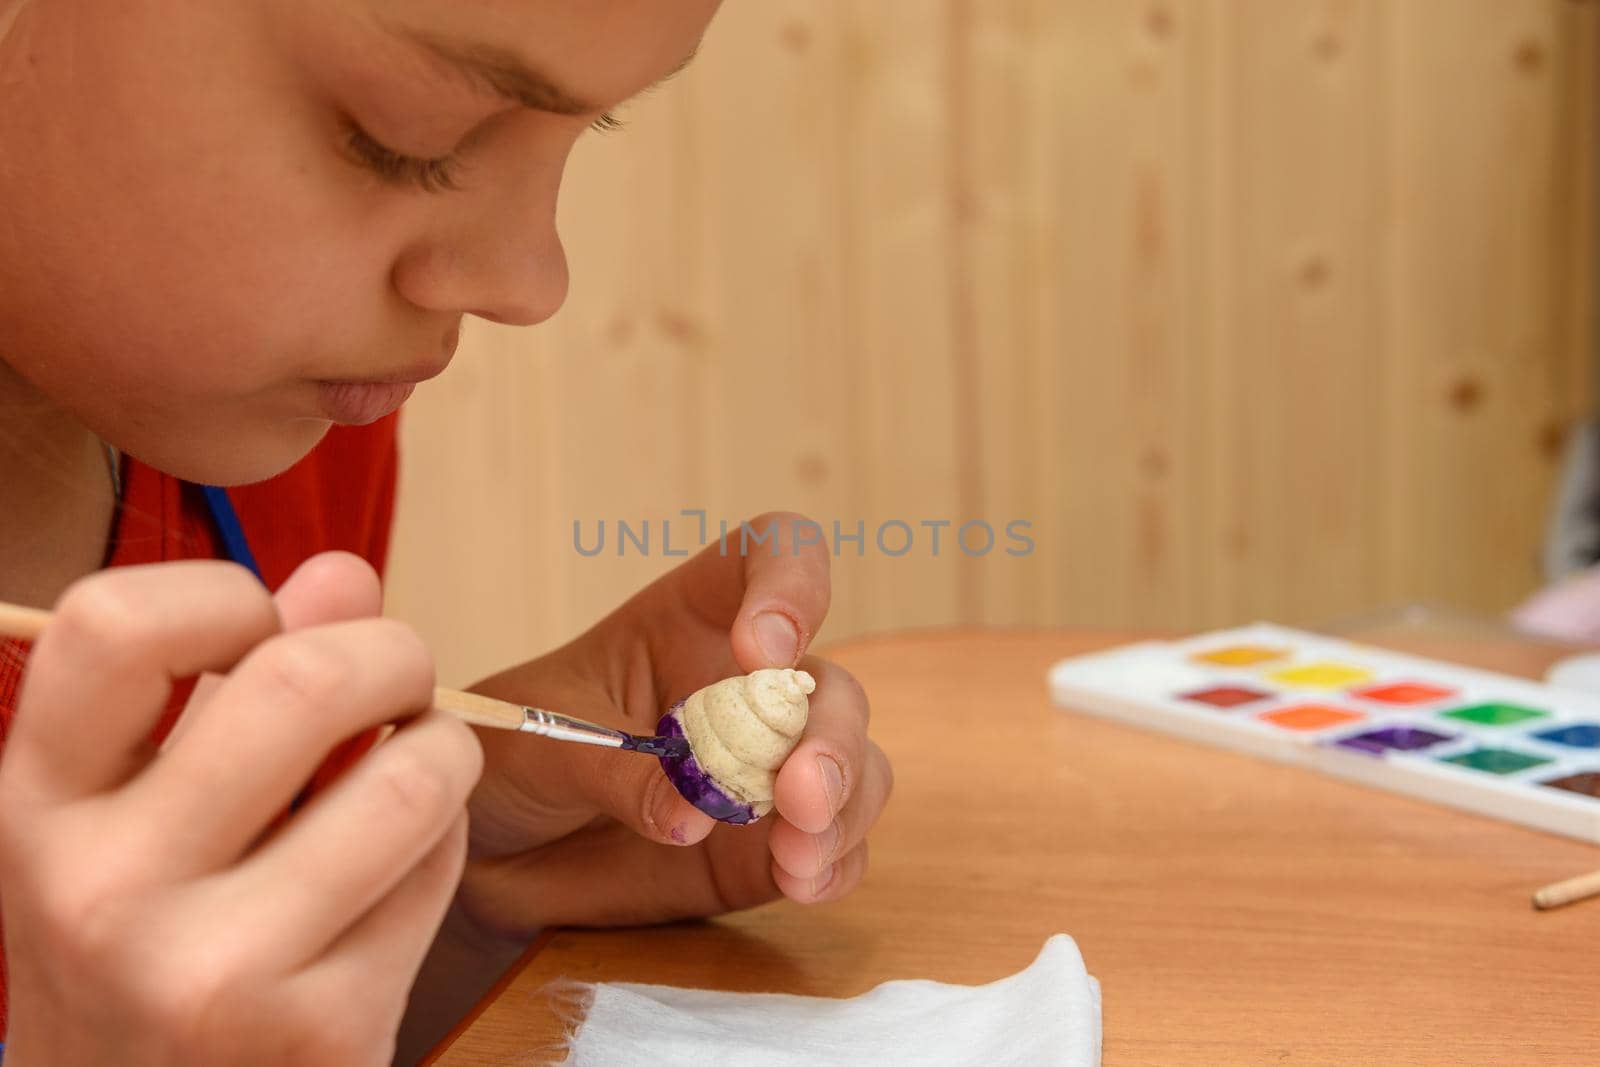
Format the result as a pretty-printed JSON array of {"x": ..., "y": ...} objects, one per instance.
[{"x": 549, "y": 724}]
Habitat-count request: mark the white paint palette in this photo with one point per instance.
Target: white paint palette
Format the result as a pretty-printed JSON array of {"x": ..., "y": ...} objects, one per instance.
[{"x": 1484, "y": 742}]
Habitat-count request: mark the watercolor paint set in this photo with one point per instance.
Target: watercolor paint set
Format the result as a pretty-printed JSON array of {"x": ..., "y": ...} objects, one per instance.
[{"x": 1487, "y": 743}]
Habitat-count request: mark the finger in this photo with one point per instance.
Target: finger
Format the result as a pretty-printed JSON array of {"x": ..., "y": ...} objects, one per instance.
[
  {"x": 574, "y": 880},
  {"x": 103, "y": 671},
  {"x": 271, "y": 723},
  {"x": 817, "y": 780},
  {"x": 770, "y": 581},
  {"x": 375, "y": 961},
  {"x": 837, "y": 881},
  {"x": 786, "y": 594},
  {"x": 328, "y": 587},
  {"x": 352, "y": 845},
  {"x": 805, "y": 856}
]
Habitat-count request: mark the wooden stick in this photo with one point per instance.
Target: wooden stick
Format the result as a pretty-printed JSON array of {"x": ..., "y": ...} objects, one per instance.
[
  {"x": 1568, "y": 892},
  {"x": 479, "y": 709},
  {"x": 27, "y": 624}
]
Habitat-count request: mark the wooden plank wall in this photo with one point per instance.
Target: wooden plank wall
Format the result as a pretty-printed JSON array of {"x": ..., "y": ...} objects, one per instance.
[{"x": 1253, "y": 308}]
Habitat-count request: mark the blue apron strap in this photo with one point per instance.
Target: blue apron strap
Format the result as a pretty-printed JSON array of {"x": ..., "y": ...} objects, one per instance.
[
  {"x": 238, "y": 549},
  {"x": 229, "y": 528}
]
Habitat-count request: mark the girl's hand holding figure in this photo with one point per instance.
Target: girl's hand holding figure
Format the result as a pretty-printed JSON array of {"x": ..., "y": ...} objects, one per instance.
[
  {"x": 573, "y": 835},
  {"x": 149, "y": 915}
]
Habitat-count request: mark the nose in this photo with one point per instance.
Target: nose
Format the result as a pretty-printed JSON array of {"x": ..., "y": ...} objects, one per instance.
[{"x": 505, "y": 264}]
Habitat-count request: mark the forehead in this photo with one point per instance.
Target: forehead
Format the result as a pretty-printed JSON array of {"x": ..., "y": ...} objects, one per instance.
[{"x": 602, "y": 50}]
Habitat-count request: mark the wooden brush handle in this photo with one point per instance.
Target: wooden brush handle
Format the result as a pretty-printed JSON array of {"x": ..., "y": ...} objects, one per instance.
[
  {"x": 479, "y": 710},
  {"x": 27, "y": 624}
]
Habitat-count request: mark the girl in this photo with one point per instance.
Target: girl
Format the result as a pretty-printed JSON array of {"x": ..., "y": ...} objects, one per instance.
[{"x": 225, "y": 227}]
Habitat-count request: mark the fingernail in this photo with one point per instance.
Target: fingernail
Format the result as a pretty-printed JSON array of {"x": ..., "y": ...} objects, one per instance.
[
  {"x": 778, "y": 638},
  {"x": 827, "y": 843},
  {"x": 832, "y": 783},
  {"x": 662, "y": 810}
]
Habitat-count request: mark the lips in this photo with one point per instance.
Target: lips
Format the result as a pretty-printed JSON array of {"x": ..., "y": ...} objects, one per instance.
[{"x": 358, "y": 403}]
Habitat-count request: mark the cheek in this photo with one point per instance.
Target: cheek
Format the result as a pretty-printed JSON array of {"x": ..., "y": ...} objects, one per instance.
[{"x": 191, "y": 246}]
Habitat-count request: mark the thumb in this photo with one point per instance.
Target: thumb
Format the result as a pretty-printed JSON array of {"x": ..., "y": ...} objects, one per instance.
[{"x": 574, "y": 783}]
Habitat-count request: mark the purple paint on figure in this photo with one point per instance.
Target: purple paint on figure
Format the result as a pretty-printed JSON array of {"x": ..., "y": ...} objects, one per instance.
[{"x": 694, "y": 784}]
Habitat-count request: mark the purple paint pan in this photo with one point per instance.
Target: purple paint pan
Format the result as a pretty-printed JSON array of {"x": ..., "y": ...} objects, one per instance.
[{"x": 1394, "y": 739}]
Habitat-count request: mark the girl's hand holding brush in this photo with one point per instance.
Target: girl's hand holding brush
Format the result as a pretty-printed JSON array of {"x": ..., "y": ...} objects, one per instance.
[{"x": 149, "y": 899}]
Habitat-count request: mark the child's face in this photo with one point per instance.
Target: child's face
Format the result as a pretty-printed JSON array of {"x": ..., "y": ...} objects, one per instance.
[{"x": 206, "y": 222}]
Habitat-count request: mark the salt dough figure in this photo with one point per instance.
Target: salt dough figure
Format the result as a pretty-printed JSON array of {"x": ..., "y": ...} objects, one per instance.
[{"x": 740, "y": 731}]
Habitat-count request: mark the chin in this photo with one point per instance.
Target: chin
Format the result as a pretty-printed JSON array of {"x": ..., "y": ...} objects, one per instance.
[{"x": 234, "y": 456}]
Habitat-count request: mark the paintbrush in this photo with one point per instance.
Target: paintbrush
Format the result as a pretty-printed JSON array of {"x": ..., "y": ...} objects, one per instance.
[
  {"x": 27, "y": 624},
  {"x": 1569, "y": 891}
]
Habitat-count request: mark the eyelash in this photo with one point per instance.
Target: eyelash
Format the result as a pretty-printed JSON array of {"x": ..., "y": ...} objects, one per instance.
[{"x": 430, "y": 175}]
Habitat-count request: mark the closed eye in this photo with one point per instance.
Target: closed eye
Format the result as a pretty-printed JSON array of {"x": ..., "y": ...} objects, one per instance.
[
  {"x": 431, "y": 175},
  {"x": 397, "y": 168}
]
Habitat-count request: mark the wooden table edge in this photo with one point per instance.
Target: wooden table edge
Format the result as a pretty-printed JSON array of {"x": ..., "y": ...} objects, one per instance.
[{"x": 501, "y": 984}]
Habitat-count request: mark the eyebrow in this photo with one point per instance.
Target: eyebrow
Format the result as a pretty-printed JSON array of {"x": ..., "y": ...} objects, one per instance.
[{"x": 505, "y": 74}]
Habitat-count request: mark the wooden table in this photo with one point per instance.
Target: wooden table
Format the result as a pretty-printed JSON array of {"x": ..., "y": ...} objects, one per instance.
[{"x": 1235, "y": 911}]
